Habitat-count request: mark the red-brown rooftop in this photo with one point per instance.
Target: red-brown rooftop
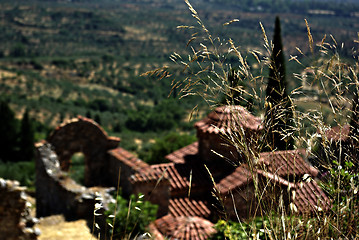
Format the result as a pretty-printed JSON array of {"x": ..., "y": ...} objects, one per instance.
[
  {"x": 185, "y": 227},
  {"x": 338, "y": 133},
  {"x": 241, "y": 176},
  {"x": 285, "y": 163},
  {"x": 226, "y": 119},
  {"x": 310, "y": 197},
  {"x": 180, "y": 176},
  {"x": 129, "y": 159},
  {"x": 179, "y": 156},
  {"x": 188, "y": 207}
]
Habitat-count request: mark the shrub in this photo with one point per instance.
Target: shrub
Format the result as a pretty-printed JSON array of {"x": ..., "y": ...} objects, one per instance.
[
  {"x": 130, "y": 218},
  {"x": 77, "y": 168},
  {"x": 167, "y": 115},
  {"x": 24, "y": 172},
  {"x": 240, "y": 230},
  {"x": 157, "y": 151}
]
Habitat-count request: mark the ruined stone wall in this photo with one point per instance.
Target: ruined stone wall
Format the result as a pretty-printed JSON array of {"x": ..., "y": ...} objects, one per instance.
[
  {"x": 84, "y": 135},
  {"x": 15, "y": 220},
  {"x": 56, "y": 193}
]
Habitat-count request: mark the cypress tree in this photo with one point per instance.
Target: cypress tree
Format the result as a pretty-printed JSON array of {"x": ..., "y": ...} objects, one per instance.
[
  {"x": 279, "y": 110},
  {"x": 98, "y": 119},
  {"x": 8, "y": 133},
  {"x": 276, "y": 89},
  {"x": 26, "y": 138}
]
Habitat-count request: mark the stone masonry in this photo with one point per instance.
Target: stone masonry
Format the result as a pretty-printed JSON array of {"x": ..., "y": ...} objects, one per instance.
[
  {"x": 56, "y": 193},
  {"x": 84, "y": 135},
  {"x": 15, "y": 220}
]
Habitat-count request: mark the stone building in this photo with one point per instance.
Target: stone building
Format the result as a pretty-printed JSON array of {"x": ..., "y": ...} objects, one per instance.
[
  {"x": 215, "y": 166},
  {"x": 216, "y": 174}
]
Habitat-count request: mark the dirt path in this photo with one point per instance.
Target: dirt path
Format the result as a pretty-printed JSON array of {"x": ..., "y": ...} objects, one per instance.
[{"x": 56, "y": 228}]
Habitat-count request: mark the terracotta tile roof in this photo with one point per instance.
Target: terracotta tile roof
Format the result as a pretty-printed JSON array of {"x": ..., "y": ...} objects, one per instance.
[
  {"x": 149, "y": 174},
  {"x": 309, "y": 197},
  {"x": 274, "y": 165},
  {"x": 188, "y": 207},
  {"x": 241, "y": 176},
  {"x": 180, "y": 155},
  {"x": 180, "y": 176},
  {"x": 226, "y": 118},
  {"x": 129, "y": 159},
  {"x": 284, "y": 163},
  {"x": 338, "y": 133},
  {"x": 155, "y": 232},
  {"x": 275, "y": 178},
  {"x": 191, "y": 228}
]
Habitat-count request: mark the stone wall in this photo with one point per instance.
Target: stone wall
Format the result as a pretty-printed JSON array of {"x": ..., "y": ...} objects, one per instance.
[
  {"x": 56, "y": 193},
  {"x": 105, "y": 164},
  {"x": 15, "y": 220}
]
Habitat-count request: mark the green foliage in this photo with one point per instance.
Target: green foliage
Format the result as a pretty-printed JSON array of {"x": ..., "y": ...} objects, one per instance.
[
  {"x": 77, "y": 168},
  {"x": 98, "y": 118},
  {"x": 334, "y": 79},
  {"x": 18, "y": 50},
  {"x": 156, "y": 152},
  {"x": 130, "y": 217},
  {"x": 17, "y": 139},
  {"x": 74, "y": 57},
  {"x": 168, "y": 114},
  {"x": 342, "y": 187},
  {"x": 101, "y": 105},
  {"x": 252, "y": 229},
  {"x": 24, "y": 172}
]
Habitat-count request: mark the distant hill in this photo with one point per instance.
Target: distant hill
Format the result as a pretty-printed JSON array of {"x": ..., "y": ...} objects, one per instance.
[{"x": 61, "y": 58}]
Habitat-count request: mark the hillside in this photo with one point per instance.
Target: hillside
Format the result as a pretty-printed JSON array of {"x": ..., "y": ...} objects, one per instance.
[{"x": 60, "y": 59}]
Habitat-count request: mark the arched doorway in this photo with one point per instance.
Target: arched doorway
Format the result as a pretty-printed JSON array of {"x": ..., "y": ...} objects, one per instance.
[{"x": 83, "y": 135}]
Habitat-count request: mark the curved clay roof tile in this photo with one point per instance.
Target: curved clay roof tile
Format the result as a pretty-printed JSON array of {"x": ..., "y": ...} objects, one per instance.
[{"x": 226, "y": 118}]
